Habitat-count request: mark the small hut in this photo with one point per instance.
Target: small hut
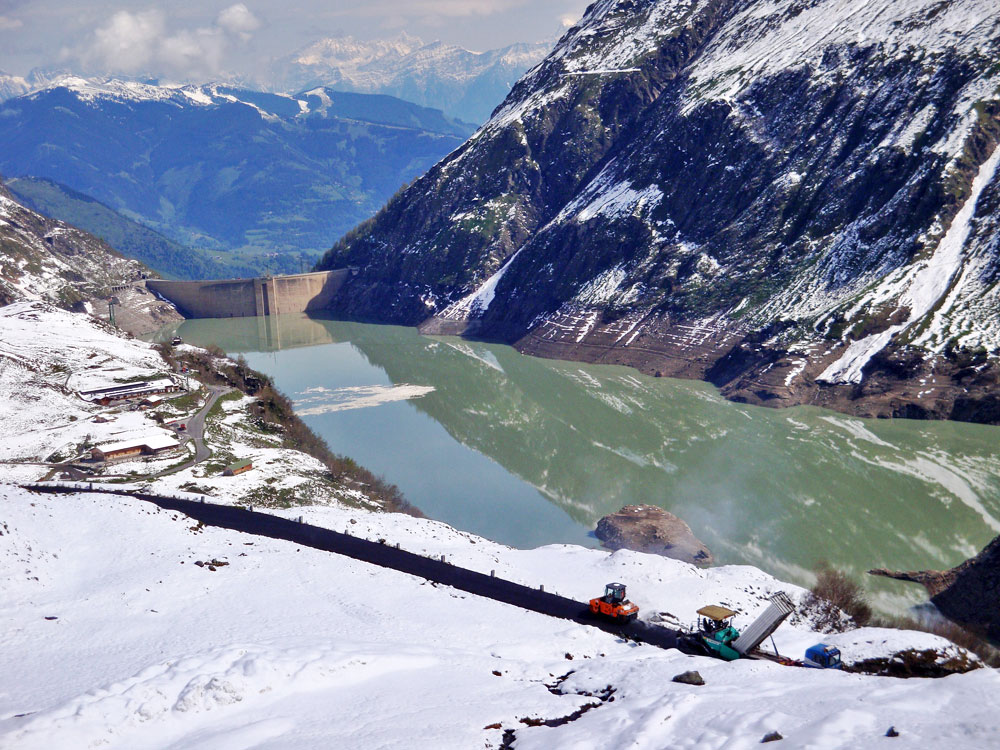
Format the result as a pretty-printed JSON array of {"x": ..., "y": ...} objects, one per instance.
[{"x": 237, "y": 468}]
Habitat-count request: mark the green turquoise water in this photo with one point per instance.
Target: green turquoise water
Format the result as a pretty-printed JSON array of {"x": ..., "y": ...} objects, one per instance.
[{"x": 528, "y": 451}]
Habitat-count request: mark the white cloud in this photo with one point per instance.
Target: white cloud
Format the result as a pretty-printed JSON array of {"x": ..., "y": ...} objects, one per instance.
[
  {"x": 140, "y": 42},
  {"x": 9, "y": 24},
  {"x": 238, "y": 20},
  {"x": 426, "y": 9},
  {"x": 128, "y": 41}
]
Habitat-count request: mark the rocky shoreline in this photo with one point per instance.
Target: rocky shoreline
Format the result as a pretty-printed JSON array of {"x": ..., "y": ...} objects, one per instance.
[
  {"x": 747, "y": 368},
  {"x": 968, "y": 594},
  {"x": 898, "y": 384}
]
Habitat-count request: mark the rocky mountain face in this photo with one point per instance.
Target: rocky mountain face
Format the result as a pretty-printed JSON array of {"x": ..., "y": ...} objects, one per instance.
[
  {"x": 796, "y": 200},
  {"x": 44, "y": 259},
  {"x": 968, "y": 594},
  {"x": 128, "y": 237},
  {"x": 263, "y": 181},
  {"x": 465, "y": 84}
]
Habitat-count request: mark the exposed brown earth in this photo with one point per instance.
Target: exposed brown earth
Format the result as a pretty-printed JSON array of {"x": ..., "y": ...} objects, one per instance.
[
  {"x": 139, "y": 311},
  {"x": 898, "y": 383},
  {"x": 646, "y": 528}
]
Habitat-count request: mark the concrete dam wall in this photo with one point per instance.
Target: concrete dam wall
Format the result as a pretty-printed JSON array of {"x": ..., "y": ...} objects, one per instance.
[{"x": 247, "y": 298}]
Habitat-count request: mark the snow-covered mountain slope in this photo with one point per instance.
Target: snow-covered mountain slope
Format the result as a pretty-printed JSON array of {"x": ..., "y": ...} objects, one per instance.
[
  {"x": 790, "y": 199},
  {"x": 116, "y": 638},
  {"x": 465, "y": 84},
  {"x": 41, "y": 258},
  {"x": 48, "y": 356}
]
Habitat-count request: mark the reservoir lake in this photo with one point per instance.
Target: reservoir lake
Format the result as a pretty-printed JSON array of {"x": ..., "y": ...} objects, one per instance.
[{"x": 529, "y": 451}]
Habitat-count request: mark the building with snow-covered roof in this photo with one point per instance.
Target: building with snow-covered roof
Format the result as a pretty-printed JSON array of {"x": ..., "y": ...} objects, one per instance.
[
  {"x": 151, "y": 444},
  {"x": 128, "y": 391}
]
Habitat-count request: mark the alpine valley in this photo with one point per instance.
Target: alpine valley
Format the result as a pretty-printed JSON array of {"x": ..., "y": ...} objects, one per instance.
[
  {"x": 262, "y": 181},
  {"x": 794, "y": 199}
]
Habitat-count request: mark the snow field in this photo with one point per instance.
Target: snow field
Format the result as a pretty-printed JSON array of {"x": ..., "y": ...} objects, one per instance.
[
  {"x": 151, "y": 653},
  {"x": 292, "y": 647},
  {"x": 46, "y": 354}
]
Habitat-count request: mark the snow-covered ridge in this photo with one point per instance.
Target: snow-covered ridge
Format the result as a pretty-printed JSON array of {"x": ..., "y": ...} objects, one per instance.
[
  {"x": 114, "y": 89},
  {"x": 44, "y": 259},
  {"x": 92, "y": 89},
  {"x": 770, "y": 37}
]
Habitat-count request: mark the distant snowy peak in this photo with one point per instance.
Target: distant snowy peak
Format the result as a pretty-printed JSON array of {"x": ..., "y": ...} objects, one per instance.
[
  {"x": 12, "y": 86},
  {"x": 463, "y": 83},
  {"x": 348, "y": 51}
]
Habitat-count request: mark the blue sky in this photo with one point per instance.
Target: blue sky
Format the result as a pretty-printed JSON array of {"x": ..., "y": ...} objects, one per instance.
[{"x": 187, "y": 39}]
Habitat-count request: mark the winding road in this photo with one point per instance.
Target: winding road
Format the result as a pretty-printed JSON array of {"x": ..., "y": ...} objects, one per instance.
[
  {"x": 386, "y": 556},
  {"x": 195, "y": 429}
]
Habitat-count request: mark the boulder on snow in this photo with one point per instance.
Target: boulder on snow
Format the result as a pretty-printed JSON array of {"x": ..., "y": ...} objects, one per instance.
[
  {"x": 772, "y": 737},
  {"x": 646, "y": 528},
  {"x": 689, "y": 678},
  {"x": 968, "y": 594}
]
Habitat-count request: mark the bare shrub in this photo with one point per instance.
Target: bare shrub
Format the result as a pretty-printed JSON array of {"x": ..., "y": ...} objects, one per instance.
[{"x": 835, "y": 594}]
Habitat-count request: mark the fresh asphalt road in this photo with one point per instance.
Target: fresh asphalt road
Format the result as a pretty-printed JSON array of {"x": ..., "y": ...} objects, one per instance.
[{"x": 386, "y": 556}]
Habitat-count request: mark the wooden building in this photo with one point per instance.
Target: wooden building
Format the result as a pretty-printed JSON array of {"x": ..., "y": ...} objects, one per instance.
[
  {"x": 237, "y": 468},
  {"x": 145, "y": 445}
]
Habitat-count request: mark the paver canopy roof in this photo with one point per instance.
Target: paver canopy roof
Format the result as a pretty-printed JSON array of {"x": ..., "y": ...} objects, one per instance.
[{"x": 715, "y": 612}]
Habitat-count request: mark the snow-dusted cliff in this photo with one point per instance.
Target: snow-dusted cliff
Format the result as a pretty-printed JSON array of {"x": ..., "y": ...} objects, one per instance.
[
  {"x": 44, "y": 259},
  {"x": 779, "y": 196}
]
